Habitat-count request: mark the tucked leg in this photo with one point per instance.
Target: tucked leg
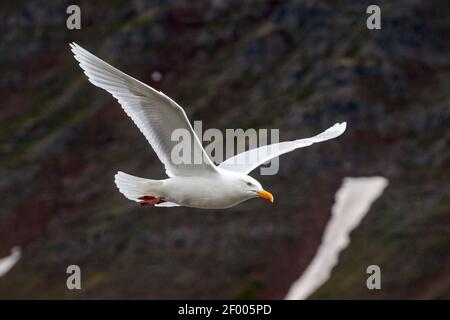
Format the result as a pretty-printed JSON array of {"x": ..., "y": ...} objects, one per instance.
[{"x": 150, "y": 200}]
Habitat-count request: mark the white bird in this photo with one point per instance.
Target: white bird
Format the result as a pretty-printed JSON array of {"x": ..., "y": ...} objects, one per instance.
[{"x": 202, "y": 185}]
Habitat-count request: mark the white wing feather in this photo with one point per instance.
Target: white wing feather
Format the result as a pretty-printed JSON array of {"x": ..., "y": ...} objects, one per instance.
[
  {"x": 154, "y": 113},
  {"x": 247, "y": 161}
]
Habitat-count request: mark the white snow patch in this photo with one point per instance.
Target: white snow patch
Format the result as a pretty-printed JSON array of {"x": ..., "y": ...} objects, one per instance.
[
  {"x": 352, "y": 202},
  {"x": 8, "y": 262}
]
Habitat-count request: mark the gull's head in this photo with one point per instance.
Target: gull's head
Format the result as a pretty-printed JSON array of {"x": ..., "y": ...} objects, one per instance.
[{"x": 252, "y": 188}]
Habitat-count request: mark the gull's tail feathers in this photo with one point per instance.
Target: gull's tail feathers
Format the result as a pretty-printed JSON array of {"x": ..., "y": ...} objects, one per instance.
[{"x": 135, "y": 187}]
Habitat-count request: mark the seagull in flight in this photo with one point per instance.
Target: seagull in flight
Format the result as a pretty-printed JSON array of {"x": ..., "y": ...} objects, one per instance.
[{"x": 197, "y": 185}]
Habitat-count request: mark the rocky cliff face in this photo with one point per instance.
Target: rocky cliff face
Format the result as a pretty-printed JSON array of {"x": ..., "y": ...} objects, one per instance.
[{"x": 299, "y": 66}]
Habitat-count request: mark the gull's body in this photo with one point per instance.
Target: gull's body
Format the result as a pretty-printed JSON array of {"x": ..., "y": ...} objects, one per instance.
[
  {"x": 199, "y": 185},
  {"x": 213, "y": 191}
]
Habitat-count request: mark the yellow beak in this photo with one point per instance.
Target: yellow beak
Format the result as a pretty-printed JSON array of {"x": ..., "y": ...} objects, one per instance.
[{"x": 266, "y": 195}]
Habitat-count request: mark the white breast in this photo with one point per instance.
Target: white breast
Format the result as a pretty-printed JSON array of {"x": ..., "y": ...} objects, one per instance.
[{"x": 207, "y": 192}]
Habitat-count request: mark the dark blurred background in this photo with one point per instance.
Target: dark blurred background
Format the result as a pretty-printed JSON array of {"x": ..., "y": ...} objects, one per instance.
[{"x": 300, "y": 66}]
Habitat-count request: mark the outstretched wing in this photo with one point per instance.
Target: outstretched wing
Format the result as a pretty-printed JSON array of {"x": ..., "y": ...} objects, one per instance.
[
  {"x": 247, "y": 161},
  {"x": 155, "y": 114}
]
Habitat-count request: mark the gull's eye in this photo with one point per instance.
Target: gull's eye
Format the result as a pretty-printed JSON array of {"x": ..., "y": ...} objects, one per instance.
[{"x": 249, "y": 184}]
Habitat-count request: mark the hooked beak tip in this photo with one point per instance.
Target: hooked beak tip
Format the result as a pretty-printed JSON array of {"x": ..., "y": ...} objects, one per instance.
[{"x": 266, "y": 195}]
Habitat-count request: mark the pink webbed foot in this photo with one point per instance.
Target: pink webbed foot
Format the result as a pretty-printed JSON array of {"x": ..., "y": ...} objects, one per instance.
[{"x": 150, "y": 200}]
